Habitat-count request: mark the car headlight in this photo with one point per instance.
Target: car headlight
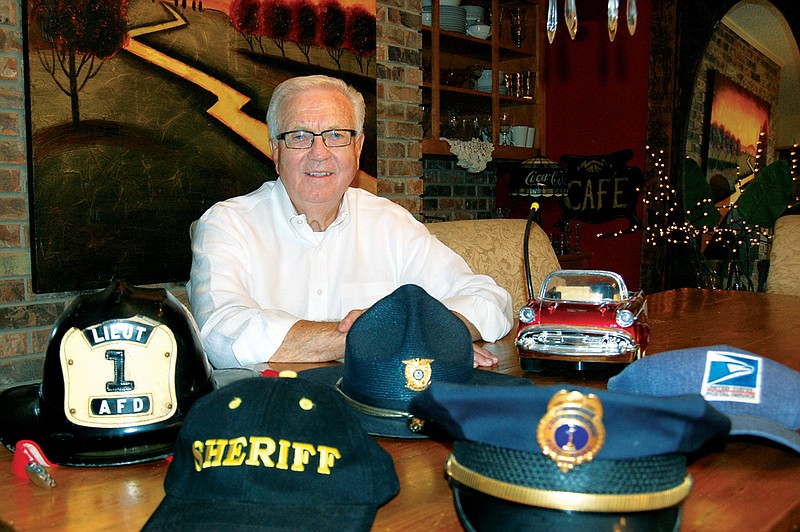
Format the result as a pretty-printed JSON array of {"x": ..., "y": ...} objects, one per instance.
[
  {"x": 527, "y": 314},
  {"x": 625, "y": 318}
]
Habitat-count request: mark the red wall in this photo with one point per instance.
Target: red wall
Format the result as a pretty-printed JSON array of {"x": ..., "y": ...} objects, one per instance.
[{"x": 596, "y": 103}]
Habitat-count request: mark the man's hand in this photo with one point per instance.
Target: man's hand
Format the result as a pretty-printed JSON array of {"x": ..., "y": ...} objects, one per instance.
[
  {"x": 483, "y": 357},
  {"x": 348, "y": 320}
]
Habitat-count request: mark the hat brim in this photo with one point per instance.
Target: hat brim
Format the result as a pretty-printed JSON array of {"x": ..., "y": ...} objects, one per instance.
[
  {"x": 174, "y": 514},
  {"x": 390, "y": 427},
  {"x": 742, "y": 425},
  {"x": 65, "y": 445},
  {"x": 481, "y": 512}
]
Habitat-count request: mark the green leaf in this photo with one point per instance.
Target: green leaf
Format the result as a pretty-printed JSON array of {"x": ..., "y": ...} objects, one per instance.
[
  {"x": 697, "y": 202},
  {"x": 765, "y": 198}
]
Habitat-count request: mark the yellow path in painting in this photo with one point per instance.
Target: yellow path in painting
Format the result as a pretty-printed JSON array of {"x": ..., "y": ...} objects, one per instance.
[{"x": 228, "y": 108}]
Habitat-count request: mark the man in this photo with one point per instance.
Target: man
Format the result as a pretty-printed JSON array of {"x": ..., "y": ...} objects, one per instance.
[{"x": 281, "y": 274}]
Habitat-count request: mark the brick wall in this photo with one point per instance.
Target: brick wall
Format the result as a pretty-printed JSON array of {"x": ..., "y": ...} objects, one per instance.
[
  {"x": 739, "y": 61},
  {"x": 27, "y": 318},
  {"x": 452, "y": 193}
]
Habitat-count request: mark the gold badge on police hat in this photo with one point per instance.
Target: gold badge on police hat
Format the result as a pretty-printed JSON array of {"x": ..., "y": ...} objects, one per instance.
[
  {"x": 572, "y": 431},
  {"x": 418, "y": 373}
]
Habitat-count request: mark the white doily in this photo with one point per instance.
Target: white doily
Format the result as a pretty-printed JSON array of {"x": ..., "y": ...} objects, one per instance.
[{"x": 472, "y": 154}]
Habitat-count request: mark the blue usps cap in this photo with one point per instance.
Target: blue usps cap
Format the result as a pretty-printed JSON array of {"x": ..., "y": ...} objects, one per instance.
[
  {"x": 759, "y": 395},
  {"x": 395, "y": 350},
  {"x": 274, "y": 454},
  {"x": 542, "y": 457}
]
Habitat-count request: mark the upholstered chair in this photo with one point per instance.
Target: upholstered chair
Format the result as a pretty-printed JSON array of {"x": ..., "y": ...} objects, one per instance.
[
  {"x": 495, "y": 248},
  {"x": 784, "y": 258}
]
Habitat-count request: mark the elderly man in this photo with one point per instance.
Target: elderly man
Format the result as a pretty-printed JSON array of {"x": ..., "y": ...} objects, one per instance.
[{"x": 281, "y": 274}]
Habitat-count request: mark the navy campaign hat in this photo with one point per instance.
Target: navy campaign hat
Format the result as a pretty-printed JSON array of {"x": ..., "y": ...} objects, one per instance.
[
  {"x": 552, "y": 457},
  {"x": 396, "y": 349},
  {"x": 274, "y": 454},
  {"x": 122, "y": 368},
  {"x": 759, "y": 395}
]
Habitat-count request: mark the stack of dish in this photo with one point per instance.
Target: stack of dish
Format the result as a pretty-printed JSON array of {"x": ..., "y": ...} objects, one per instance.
[
  {"x": 474, "y": 15},
  {"x": 453, "y": 18},
  {"x": 484, "y": 82}
]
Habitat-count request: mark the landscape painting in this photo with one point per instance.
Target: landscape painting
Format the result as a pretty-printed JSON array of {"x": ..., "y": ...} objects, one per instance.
[
  {"x": 143, "y": 113},
  {"x": 737, "y": 128}
]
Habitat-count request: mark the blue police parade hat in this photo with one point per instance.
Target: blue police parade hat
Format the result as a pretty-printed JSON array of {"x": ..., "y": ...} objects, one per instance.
[
  {"x": 396, "y": 349},
  {"x": 759, "y": 395},
  {"x": 554, "y": 457},
  {"x": 274, "y": 454}
]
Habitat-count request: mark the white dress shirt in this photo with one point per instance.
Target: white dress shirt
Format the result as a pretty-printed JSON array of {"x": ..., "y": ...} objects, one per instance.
[{"x": 258, "y": 268}]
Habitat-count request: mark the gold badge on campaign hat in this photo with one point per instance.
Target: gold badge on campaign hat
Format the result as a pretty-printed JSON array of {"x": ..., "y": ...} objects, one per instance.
[
  {"x": 418, "y": 373},
  {"x": 572, "y": 431}
]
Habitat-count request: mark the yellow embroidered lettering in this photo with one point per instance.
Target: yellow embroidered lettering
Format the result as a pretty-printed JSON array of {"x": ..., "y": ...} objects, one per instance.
[
  {"x": 261, "y": 448},
  {"x": 327, "y": 457},
  {"x": 283, "y": 454},
  {"x": 197, "y": 452},
  {"x": 215, "y": 449},
  {"x": 302, "y": 453},
  {"x": 235, "y": 456}
]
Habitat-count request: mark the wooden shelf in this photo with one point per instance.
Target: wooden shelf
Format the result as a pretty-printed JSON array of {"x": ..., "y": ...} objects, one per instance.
[
  {"x": 510, "y": 153},
  {"x": 446, "y": 50}
]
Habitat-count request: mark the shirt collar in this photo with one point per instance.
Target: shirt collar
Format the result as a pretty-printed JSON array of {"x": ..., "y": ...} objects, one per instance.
[{"x": 298, "y": 221}]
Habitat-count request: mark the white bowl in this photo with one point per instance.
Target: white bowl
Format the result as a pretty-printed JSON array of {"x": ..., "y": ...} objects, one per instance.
[
  {"x": 481, "y": 31},
  {"x": 449, "y": 2}
]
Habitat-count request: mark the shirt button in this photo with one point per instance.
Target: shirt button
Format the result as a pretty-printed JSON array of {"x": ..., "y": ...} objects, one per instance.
[
  {"x": 319, "y": 292},
  {"x": 299, "y": 221}
]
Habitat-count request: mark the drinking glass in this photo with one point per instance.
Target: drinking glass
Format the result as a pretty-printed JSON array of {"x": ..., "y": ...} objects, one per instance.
[
  {"x": 518, "y": 29},
  {"x": 506, "y": 121}
]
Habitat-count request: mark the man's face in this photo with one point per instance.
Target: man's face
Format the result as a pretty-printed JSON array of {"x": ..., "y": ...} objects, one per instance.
[{"x": 317, "y": 177}]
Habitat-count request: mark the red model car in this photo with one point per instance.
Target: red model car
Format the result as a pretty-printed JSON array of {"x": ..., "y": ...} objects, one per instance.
[{"x": 582, "y": 319}]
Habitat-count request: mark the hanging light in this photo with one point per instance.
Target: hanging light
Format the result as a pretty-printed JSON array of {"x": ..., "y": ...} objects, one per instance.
[
  {"x": 571, "y": 18},
  {"x": 632, "y": 16},
  {"x": 538, "y": 177}
]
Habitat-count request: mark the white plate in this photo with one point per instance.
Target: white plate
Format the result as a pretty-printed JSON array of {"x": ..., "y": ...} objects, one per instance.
[{"x": 452, "y": 10}]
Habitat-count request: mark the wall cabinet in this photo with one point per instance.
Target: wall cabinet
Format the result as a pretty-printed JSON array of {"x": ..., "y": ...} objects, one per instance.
[{"x": 453, "y": 104}]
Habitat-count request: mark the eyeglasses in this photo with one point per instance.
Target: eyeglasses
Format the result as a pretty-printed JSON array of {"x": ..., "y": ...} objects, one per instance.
[{"x": 302, "y": 140}]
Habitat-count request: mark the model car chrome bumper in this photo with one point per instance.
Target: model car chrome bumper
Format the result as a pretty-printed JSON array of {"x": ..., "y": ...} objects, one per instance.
[{"x": 577, "y": 341}]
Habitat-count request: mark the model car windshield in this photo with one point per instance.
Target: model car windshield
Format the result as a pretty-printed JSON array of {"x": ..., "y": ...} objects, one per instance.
[{"x": 583, "y": 286}]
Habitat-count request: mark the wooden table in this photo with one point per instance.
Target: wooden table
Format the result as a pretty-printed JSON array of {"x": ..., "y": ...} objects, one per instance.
[{"x": 745, "y": 486}]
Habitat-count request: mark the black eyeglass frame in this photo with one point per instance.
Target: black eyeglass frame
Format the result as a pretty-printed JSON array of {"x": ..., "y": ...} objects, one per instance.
[{"x": 282, "y": 136}]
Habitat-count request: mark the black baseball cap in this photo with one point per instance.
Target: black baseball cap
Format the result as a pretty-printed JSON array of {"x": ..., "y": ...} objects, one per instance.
[
  {"x": 396, "y": 349},
  {"x": 274, "y": 454},
  {"x": 557, "y": 457}
]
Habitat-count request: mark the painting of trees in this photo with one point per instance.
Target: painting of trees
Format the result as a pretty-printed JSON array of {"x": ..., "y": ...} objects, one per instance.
[
  {"x": 247, "y": 17},
  {"x": 326, "y": 24},
  {"x": 278, "y": 22},
  {"x": 76, "y": 36},
  {"x": 332, "y": 26},
  {"x": 361, "y": 34},
  {"x": 306, "y": 35}
]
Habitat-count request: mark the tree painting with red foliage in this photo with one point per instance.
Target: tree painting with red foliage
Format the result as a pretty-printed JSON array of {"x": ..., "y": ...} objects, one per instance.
[
  {"x": 79, "y": 36},
  {"x": 361, "y": 34},
  {"x": 306, "y": 19},
  {"x": 278, "y": 17},
  {"x": 332, "y": 25},
  {"x": 247, "y": 18}
]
